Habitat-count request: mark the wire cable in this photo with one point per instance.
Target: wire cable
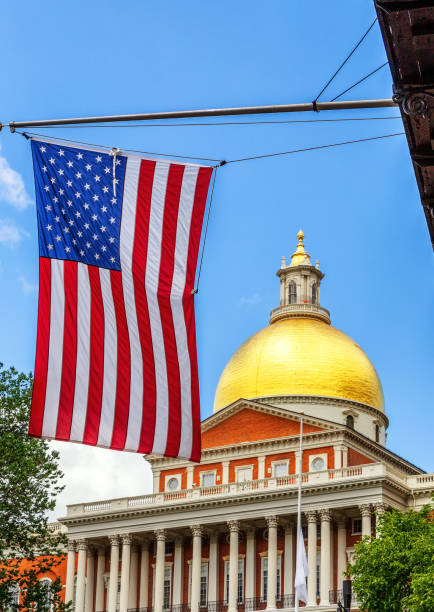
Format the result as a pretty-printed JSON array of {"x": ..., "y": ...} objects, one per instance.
[
  {"x": 346, "y": 59},
  {"x": 206, "y": 231},
  {"x": 359, "y": 81},
  {"x": 327, "y": 146}
]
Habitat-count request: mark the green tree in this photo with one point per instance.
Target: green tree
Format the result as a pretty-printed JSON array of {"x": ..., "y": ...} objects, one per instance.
[
  {"x": 395, "y": 571},
  {"x": 29, "y": 483}
]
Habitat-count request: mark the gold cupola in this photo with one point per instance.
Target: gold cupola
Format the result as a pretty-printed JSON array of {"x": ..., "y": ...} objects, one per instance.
[{"x": 299, "y": 353}]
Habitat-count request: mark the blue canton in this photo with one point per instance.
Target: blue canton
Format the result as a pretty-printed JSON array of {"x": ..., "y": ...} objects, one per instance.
[{"x": 79, "y": 215}]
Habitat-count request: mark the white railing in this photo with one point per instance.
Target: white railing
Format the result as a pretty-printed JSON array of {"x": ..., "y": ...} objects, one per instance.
[
  {"x": 421, "y": 481},
  {"x": 232, "y": 489}
]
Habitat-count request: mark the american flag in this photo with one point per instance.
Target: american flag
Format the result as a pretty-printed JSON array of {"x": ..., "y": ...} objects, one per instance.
[{"x": 116, "y": 362}]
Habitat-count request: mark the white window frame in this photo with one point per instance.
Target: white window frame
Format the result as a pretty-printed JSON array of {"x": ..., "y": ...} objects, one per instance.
[
  {"x": 240, "y": 468},
  {"x": 207, "y": 473},
  {"x": 323, "y": 456},
  {"x": 274, "y": 464},
  {"x": 47, "y": 579},
  {"x": 166, "y": 482},
  {"x": 264, "y": 559},
  {"x": 167, "y": 574},
  {"x": 203, "y": 574}
]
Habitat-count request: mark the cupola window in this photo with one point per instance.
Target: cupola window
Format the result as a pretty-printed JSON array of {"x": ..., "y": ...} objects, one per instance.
[
  {"x": 350, "y": 421},
  {"x": 292, "y": 293},
  {"x": 314, "y": 293},
  {"x": 377, "y": 433}
]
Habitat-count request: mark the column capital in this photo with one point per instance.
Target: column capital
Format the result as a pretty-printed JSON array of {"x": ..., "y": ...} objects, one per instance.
[
  {"x": 380, "y": 508},
  {"x": 251, "y": 531},
  {"x": 100, "y": 550},
  {"x": 71, "y": 545},
  {"x": 144, "y": 544},
  {"x": 81, "y": 544},
  {"x": 114, "y": 539},
  {"x": 234, "y": 526},
  {"x": 325, "y": 514},
  {"x": 311, "y": 516},
  {"x": 90, "y": 552},
  {"x": 127, "y": 538},
  {"x": 197, "y": 531},
  {"x": 365, "y": 509},
  {"x": 272, "y": 521},
  {"x": 160, "y": 535}
]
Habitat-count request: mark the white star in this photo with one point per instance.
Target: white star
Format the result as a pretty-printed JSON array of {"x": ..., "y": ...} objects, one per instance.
[
  {"x": 57, "y": 219},
  {"x": 61, "y": 191},
  {"x": 95, "y": 217},
  {"x": 111, "y": 240},
  {"x": 47, "y": 188},
  {"x": 96, "y": 256},
  {"x": 77, "y": 194},
  {"x": 103, "y": 208},
  {"x": 78, "y": 174},
  {"x": 74, "y": 242},
  {"x": 79, "y": 234},
  {"x": 69, "y": 202},
  {"x": 67, "y": 249},
  {"x": 48, "y": 207},
  {"x": 95, "y": 237},
  {"x": 112, "y": 259},
  {"x": 103, "y": 248},
  {"x": 55, "y": 199},
  {"x": 52, "y": 180},
  {"x": 107, "y": 170},
  {"x": 97, "y": 177},
  {"x": 66, "y": 230},
  {"x": 95, "y": 198},
  {"x": 112, "y": 219},
  {"x": 49, "y": 227},
  {"x": 86, "y": 226},
  {"x": 88, "y": 245},
  {"x": 50, "y": 247},
  {"x": 116, "y": 181},
  {"x": 51, "y": 160},
  {"x": 87, "y": 186},
  {"x": 78, "y": 214},
  {"x": 79, "y": 155},
  {"x": 42, "y": 149},
  {"x": 63, "y": 211},
  {"x": 88, "y": 166},
  {"x": 61, "y": 152},
  {"x": 69, "y": 183},
  {"x": 71, "y": 222},
  {"x": 82, "y": 253},
  {"x": 86, "y": 206},
  {"x": 58, "y": 238},
  {"x": 70, "y": 164},
  {"x": 44, "y": 168},
  {"x": 61, "y": 172},
  {"x": 118, "y": 161},
  {"x": 103, "y": 228},
  {"x": 113, "y": 200},
  {"x": 98, "y": 158},
  {"x": 105, "y": 189}
]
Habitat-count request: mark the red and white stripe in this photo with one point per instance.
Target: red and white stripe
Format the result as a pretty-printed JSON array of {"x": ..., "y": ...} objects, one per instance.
[{"x": 116, "y": 362}]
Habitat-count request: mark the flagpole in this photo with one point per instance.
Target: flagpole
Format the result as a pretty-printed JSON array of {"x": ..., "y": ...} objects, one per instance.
[{"x": 300, "y": 469}]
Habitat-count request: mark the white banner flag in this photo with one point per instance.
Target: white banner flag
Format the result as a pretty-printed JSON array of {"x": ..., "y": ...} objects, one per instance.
[{"x": 301, "y": 569}]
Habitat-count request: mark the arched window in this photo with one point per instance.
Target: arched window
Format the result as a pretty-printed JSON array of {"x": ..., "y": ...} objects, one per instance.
[
  {"x": 314, "y": 293},
  {"x": 350, "y": 421},
  {"x": 292, "y": 293},
  {"x": 46, "y": 604},
  {"x": 377, "y": 433}
]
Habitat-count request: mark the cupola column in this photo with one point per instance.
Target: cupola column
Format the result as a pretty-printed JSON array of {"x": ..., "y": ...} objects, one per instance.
[
  {"x": 234, "y": 529},
  {"x": 272, "y": 522}
]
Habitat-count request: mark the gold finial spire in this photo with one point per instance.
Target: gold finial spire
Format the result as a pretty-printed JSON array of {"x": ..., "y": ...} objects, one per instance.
[{"x": 300, "y": 256}]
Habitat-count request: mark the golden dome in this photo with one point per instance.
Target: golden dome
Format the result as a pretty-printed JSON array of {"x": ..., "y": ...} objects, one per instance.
[{"x": 299, "y": 356}]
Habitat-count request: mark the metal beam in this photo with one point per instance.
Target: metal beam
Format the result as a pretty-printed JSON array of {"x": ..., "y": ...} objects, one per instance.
[{"x": 210, "y": 112}]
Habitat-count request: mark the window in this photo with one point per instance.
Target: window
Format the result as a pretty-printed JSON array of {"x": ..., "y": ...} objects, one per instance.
[
  {"x": 292, "y": 293},
  {"x": 264, "y": 578},
  {"x": 167, "y": 588},
  {"x": 173, "y": 484},
  {"x": 350, "y": 421},
  {"x": 314, "y": 293},
  {"x": 377, "y": 433},
  {"x": 318, "y": 573},
  {"x": 357, "y": 526},
  {"x": 46, "y": 596},
  {"x": 240, "y": 590},
  {"x": 168, "y": 548},
  {"x": 203, "y": 584},
  {"x": 280, "y": 469},
  {"x": 208, "y": 479},
  {"x": 244, "y": 473},
  {"x": 318, "y": 464}
]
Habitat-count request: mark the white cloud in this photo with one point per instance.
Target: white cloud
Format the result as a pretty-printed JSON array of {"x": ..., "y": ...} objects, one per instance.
[
  {"x": 94, "y": 473},
  {"x": 252, "y": 299},
  {"x": 26, "y": 286},
  {"x": 10, "y": 233},
  {"x": 12, "y": 189}
]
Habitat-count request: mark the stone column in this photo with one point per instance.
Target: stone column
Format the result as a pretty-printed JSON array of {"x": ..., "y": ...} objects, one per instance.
[
  {"x": 190, "y": 474},
  {"x": 261, "y": 468},
  {"x": 160, "y": 535},
  {"x": 311, "y": 557},
  {"x": 134, "y": 572},
  {"x": 250, "y": 563},
  {"x": 81, "y": 569},
  {"x": 178, "y": 571},
  {"x": 326, "y": 517},
  {"x": 233, "y": 565},
  {"x": 342, "y": 555},
  {"x": 196, "y": 530},
  {"x": 100, "y": 569},
  {"x": 380, "y": 508},
  {"x": 272, "y": 522},
  {"x": 297, "y": 462},
  {"x": 213, "y": 569},
  {"x": 156, "y": 480},
  {"x": 90, "y": 580},
  {"x": 70, "y": 572},
  {"x": 365, "y": 510},
  {"x": 114, "y": 573},
  {"x": 125, "y": 572},
  {"x": 288, "y": 571},
  {"x": 344, "y": 456},
  {"x": 144, "y": 574},
  {"x": 225, "y": 472}
]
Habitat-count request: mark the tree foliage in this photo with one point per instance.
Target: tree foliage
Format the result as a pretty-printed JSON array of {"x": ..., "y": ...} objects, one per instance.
[
  {"x": 395, "y": 571},
  {"x": 29, "y": 483}
]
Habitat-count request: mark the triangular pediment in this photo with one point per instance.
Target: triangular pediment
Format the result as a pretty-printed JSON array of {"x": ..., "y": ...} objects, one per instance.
[{"x": 249, "y": 421}]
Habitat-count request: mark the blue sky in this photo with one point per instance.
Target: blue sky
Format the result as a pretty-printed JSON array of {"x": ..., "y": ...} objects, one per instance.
[{"x": 358, "y": 205}]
